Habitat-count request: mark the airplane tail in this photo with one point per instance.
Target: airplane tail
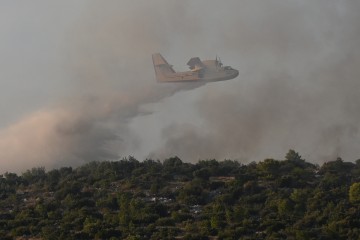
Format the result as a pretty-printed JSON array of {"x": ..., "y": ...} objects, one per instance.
[{"x": 162, "y": 67}]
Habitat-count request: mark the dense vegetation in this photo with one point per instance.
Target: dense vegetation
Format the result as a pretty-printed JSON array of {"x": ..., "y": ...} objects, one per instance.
[{"x": 128, "y": 199}]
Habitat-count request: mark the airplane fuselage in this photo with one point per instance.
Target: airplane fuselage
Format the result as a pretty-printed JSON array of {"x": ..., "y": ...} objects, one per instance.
[{"x": 207, "y": 71}]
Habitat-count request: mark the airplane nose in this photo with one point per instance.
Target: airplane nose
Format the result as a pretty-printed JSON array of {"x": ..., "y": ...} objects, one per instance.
[{"x": 236, "y": 73}]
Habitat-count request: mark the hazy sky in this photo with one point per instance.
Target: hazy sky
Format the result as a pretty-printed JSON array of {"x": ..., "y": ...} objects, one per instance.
[
  {"x": 77, "y": 82},
  {"x": 32, "y": 44}
]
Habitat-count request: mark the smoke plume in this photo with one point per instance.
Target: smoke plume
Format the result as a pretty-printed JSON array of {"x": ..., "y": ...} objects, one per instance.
[
  {"x": 109, "y": 54},
  {"x": 298, "y": 84}
]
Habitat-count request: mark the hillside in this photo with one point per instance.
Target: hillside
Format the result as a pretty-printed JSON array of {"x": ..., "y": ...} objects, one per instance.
[{"x": 129, "y": 199}]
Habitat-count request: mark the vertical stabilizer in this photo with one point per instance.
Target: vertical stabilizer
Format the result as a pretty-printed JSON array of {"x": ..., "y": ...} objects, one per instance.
[{"x": 162, "y": 68}]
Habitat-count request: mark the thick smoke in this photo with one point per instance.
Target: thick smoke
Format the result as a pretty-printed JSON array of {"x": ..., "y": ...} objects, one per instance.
[
  {"x": 298, "y": 84},
  {"x": 109, "y": 54},
  {"x": 84, "y": 129}
]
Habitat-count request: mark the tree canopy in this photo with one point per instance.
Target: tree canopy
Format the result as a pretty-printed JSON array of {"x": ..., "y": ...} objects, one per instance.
[{"x": 131, "y": 199}]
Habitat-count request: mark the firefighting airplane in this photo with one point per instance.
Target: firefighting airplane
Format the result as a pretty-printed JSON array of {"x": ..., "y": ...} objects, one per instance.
[{"x": 206, "y": 71}]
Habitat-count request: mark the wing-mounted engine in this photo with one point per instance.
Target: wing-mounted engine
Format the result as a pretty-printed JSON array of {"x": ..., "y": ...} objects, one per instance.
[{"x": 195, "y": 64}]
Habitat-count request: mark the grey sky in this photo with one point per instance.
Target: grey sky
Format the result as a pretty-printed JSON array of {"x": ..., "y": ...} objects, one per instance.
[
  {"x": 77, "y": 82},
  {"x": 32, "y": 45}
]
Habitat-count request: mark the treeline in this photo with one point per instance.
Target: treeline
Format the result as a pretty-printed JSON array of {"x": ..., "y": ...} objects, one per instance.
[{"x": 129, "y": 199}]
